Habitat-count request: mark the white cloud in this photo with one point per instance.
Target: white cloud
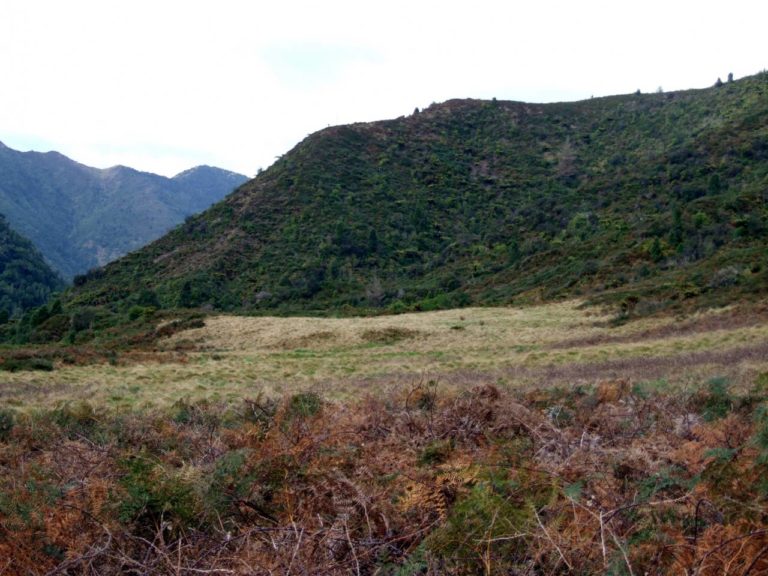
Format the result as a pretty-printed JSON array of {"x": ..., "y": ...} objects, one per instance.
[{"x": 165, "y": 85}]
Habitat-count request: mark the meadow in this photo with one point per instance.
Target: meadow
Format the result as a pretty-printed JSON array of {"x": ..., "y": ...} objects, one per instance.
[{"x": 565, "y": 343}]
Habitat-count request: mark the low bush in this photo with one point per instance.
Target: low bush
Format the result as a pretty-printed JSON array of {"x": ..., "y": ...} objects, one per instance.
[
  {"x": 19, "y": 364},
  {"x": 7, "y": 421},
  {"x": 485, "y": 481}
]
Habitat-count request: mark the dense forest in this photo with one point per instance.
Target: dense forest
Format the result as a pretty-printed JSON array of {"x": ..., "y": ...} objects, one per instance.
[{"x": 26, "y": 280}]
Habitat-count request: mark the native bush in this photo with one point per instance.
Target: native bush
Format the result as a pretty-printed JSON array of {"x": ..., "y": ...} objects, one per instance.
[
  {"x": 155, "y": 498},
  {"x": 303, "y": 405},
  {"x": 717, "y": 401},
  {"x": 21, "y": 363},
  {"x": 7, "y": 421}
]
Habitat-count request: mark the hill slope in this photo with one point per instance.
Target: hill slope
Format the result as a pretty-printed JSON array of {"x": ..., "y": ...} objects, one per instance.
[
  {"x": 653, "y": 199},
  {"x": 81, "y": 217},
  {"x": 26, "y": 280}
]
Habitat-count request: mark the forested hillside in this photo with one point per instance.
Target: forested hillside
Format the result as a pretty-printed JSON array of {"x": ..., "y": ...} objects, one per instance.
[
  {"x": 650, "y": 200},
  {"x": 26, "y": 280}
]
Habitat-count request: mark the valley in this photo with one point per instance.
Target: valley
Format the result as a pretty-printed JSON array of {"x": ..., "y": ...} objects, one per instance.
[{"x": 489, "y": 337}]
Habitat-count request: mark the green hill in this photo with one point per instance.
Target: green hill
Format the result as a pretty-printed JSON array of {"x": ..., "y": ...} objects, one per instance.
[
  {"x": 652, "y": 200},
  {"x": 26, "y": 280},
  {"x": 81, "y": 217}
]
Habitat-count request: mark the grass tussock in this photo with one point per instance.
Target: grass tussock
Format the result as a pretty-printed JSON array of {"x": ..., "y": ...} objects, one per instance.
[
  {"x": 389, "y": 335},
  {"x": 622, "y": 477}
]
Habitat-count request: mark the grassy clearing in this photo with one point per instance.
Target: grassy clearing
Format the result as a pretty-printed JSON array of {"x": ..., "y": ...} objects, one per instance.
[{"x": 233, "y": 357}]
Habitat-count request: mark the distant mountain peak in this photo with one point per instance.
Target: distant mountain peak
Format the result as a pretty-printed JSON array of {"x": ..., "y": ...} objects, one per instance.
[
  {"x": 198, "y": 168},
  {"x": 81, "y": 217},
  {"x": 201, "y": 168}
]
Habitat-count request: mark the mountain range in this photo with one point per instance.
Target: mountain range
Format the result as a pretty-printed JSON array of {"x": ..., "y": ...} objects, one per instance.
[
  {"x": 648, "y": 200},
  {"x": 81, "y": 217}
]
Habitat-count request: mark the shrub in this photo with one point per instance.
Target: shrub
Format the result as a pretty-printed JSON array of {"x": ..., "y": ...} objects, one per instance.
[
  {"x": 259, "y": 410},
  {"x": 436, "y": 452},
  {"x": 761, "y": 383},
  {"x": 466, "y": 542},
  {"x": 82, "y": 319},
  {"x": 195, "y": 413},
  {"x": 7, "y": 421},
  {"x": 175, "y": 326},
  {"x": 443, "y": 302},
  {"x": 230, "y": 481},
  {"x": 51, "y": 330},
  {"x": 136, "y": 312},
  {"x": 303, "y": 405},
  {"x": 760, "y": 437},
  {"x": 153, "y": 496},
  {"x": 398, "y": 307},
  {"x": 78, "y": 419},
  {"x": 718, "y": 400},
  {"x": 19, "y": 364}
]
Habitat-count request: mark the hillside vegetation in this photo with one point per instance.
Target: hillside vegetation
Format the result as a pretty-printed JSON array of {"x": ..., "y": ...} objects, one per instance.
[
  {"x": 81, "y": 217},
  {"x": 26, "y": 281},
  {"x": 649, "y": 201}
]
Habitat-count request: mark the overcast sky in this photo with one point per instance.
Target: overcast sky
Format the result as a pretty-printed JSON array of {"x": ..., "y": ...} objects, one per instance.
[{"x": 164, "y": 85}]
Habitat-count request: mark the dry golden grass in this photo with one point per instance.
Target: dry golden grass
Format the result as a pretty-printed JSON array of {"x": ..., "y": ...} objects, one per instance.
[{"x": 232, "y": 357}]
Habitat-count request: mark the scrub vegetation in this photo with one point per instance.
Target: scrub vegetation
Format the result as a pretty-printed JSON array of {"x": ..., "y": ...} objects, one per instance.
[
  {"x": 532, "y": 440},
  {"x": 620, "y": 478}
]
